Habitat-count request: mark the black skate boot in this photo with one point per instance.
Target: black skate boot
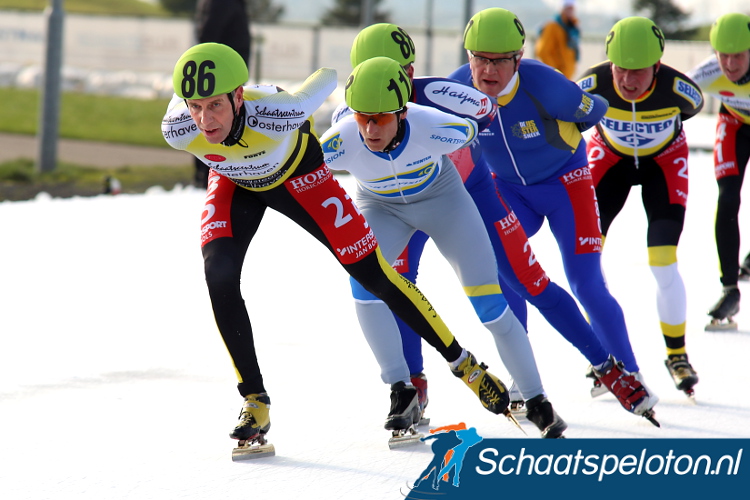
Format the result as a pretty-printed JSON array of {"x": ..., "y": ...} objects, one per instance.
[
  {"x": 403, "y": 416},
  {"x": 723, "y": 311},
  {"x": 252, "y": 428},
  {"x": 540, "y": 412},
  {"x": 404, "y": 407},
  {"x": 682, "y": 372}
]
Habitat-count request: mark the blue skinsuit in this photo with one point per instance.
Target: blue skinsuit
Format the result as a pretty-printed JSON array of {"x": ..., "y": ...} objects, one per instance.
[{"x": 535, "y": 148}]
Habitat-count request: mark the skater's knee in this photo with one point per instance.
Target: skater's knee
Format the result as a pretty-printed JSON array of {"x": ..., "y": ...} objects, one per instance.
[
  {"x": 488, "y": 301},
  {"x": 221, "y": 270}
]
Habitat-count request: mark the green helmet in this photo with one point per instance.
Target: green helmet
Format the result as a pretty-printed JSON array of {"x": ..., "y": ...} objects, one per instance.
[
  {"x": 494, "y": 30},
  {"x": 377, "y": 85},
  {"x": 208, "y": 69},
  {"x": 634, "y": 43},
  {"x": 383, "y": 39},
  {"x": 730, "y": 34}
]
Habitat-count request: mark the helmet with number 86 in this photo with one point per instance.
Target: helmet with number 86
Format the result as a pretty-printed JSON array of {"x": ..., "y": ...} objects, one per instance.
[
  {"x": 378, "y": 85},
  {"x": 207, "y": 70}
]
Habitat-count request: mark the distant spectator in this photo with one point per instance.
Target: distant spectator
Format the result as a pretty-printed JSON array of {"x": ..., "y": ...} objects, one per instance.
[
  {"x": 112, "y": 185},
  {"x": 558, "y": 42},
  {"x": 226, "y": 22}
]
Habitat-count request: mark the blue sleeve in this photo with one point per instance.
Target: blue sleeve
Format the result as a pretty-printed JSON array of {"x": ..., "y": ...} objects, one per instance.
[
  {"x": 568, "y": 102},
  {"x": 601, "y": 105}
]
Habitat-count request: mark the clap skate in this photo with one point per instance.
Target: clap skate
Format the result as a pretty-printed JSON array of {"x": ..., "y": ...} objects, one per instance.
[
  {"x": 682, "y": 373},
  {"x": 516, "y": 401},
  {"x": 251, "y": 429},
  {"x": 403, "y": 416},
  {"x": 629, "y": 389},
  {"x": 419, "y": 381},
  {"x": 490, "y": 390},
  {"x": 722, "y": 313}
]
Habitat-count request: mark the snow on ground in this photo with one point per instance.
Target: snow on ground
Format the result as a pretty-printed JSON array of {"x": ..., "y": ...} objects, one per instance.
[{"x": 114, "y": 382}]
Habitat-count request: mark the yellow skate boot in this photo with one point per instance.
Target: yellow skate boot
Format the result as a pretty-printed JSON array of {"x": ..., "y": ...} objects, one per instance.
[
  {"x": 254, "y": 420},
  {"x": 491, "y": 391}
]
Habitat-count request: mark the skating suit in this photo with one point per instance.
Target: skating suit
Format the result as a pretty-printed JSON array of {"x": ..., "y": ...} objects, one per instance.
[
  {"x": 535, "y": 148},
  {"x": 520, "y": 274},
  {"x": 413, "y": 187},
  {"x": 731, "y": 154},
  {"x": 642, "y": 142},
  {"x": 278, "y": 164}
]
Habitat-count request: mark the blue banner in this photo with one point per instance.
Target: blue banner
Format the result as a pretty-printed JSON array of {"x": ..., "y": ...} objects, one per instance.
[{"x": 465, "y": 465}]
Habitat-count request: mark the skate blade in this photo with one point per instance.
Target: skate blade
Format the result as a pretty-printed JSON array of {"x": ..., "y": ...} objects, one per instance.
[
  {"x": 717, "y": 325},
  {"x": 405, "y": 437},
  {"x": 509, "y": 415},
  {"x": 253, "y": 450},
  {"x": 598, "y": 390},
  {"x": 650, "y": 415},
  {"x": 423, "y": 421},
  {"x": 690, "y": 393}
]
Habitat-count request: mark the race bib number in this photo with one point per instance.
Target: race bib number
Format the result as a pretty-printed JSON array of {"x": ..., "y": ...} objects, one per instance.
[{"x": 328, "y": 203}]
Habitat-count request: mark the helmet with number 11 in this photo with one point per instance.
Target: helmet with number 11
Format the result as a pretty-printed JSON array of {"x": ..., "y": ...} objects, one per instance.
[{"x": 378, "y": 85}]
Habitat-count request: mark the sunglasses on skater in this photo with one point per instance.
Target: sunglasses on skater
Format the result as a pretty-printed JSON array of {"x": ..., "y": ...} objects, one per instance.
[{"x": 380, "y": 119}]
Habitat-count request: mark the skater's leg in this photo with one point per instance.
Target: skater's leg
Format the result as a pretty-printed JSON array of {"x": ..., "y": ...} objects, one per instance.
[{"x": 408, "y": 265}]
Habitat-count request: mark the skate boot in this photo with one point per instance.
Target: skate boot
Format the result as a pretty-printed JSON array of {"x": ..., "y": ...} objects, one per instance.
[
  {"x": 491, "y": 391},
  {"x": 723, "y": 311},
  {"x": 403, "y": 416},
  {"x": 404, "y": 411},
  {"x": 682, "y": 372},
  {"x": 420, "y": 382},
  {"x": 597, "y": 389},
  {"x": 252, "y": 428},
  {"x": 516, "y": 399},
  {"x": 629, "y": 389},
  {"x": 540, "y": 412}
]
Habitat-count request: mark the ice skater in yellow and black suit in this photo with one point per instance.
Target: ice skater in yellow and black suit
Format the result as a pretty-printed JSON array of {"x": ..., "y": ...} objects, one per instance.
[
  {"x": 640, "y": 141},
  {"x": 263, "y": 153}
]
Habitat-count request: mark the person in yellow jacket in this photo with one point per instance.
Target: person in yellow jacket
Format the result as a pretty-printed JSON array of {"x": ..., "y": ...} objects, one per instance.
[{"x": 558, "y": 41}]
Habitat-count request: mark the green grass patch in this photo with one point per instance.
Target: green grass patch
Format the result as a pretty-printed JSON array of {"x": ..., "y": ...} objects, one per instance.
[
  {"x": 109, "y": 7},
  {"x": 88, "y": 117},
  {"x": 20, "y": 181}
]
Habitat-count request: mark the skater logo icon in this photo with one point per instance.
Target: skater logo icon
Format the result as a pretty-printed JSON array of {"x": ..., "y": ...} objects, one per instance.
[{"x": 443, "y": 473}]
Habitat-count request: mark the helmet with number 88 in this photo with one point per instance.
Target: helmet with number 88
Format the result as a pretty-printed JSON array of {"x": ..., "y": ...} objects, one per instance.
[
  {"x": 207, "y": 70},
  {"x": 382, "y": 39},
  {"x": 377, "y": 85}
]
